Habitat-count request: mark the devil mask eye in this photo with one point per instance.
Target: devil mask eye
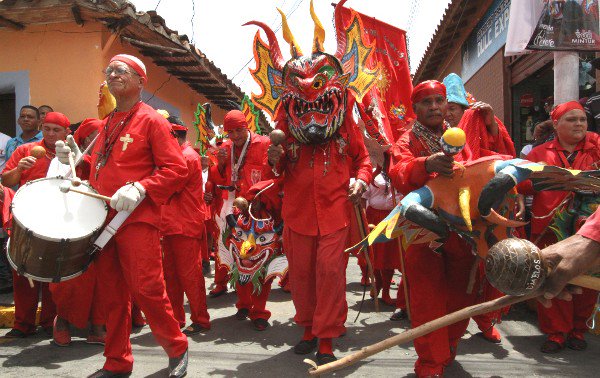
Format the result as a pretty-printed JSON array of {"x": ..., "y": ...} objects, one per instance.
[{"x": 265, "y": 238}]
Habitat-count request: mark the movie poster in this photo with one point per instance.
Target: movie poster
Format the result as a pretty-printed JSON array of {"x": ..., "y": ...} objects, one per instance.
[{"x": 567, "y": 25}]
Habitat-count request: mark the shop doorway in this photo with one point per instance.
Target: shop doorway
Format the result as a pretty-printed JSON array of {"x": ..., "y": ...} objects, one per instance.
[{"x": 7, "y": 113}]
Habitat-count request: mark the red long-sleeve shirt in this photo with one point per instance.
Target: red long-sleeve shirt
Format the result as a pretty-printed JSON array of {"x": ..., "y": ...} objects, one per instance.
[
  {"x": 315, "y": 202},
  {"x": 185, "y": 212},
  {"x": 591, "y": 228},
  {"x": 251, "y": 170},
  {"x": 409, "y": 154},
  {"x": 145, "y": 151},
  {"x": 481, "y": 142},
  {"x": 552, "y": 153},
  {"x": 39, "y": 169}
]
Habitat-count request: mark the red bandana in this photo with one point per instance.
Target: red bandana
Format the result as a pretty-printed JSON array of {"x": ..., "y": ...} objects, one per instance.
[
  {"x": 427, "y": 88},
  {"x": 562, "y": 109},
  {"x": 234, "y": 119},
  {"x": 87, "y": 127},
  {"x": 57, "y": 118}
]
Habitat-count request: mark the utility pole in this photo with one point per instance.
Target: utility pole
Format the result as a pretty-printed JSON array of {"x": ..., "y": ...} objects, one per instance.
[{"x": 566, "y": 76}]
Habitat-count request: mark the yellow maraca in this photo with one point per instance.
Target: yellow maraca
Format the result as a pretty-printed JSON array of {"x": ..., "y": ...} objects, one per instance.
[{"x": 453, "y": 141}]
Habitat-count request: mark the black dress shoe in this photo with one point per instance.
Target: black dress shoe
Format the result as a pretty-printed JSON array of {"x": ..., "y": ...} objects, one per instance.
[
  {"x": 194, "y": 329},
  {"x": 214, "y": 293},
  {"x": 242, "y": 314},
  {"x": 398, "y": 315},
  {"x": 178, "y": 366},
  {"x": 551, "y": 346},
  {"x": 108, "y": 374},
  {"x": 325, "y": 358},
  {"x": 260, "y": 324},
  {"x": 576, "y": 343},
  {"x": 16, "y": 334},
  {"x": 205, "y": 267},
  {"x": 305, "y": 346}
]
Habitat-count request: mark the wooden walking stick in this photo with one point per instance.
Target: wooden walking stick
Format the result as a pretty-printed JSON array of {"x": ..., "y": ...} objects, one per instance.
[
  {"x": 359, "y": 212},
  {"x": 413, "y": 333},
  {"x": 401, "y": 254},
  {"x": 522, "y": 271}
]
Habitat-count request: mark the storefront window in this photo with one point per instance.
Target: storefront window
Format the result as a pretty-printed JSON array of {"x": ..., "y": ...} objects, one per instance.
[{"x": 533, "y": 98}]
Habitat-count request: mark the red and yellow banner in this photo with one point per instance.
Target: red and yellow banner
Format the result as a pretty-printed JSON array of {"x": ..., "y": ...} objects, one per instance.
[{"x": 394, "y": 85}]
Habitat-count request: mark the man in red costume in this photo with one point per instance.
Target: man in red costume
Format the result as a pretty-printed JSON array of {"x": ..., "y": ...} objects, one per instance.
[
  {"x": 437, "y": 280},
  {"x": 183, "y": 232},
  {"x": 316, "y": 214},
  {"x": 76, "y": 299},
  {"x": 572, "y": 148},
  {"x": 571, "y": 257},
  {"x": 21, "y": 168},
  {"x": 239, "y": 166},
  {"x": 486, "y": 135},
  {"x": 138, "y": 162}
]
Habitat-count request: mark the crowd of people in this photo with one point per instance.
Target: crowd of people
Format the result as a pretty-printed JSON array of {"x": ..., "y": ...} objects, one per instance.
[{"x": 175, "y": 204}]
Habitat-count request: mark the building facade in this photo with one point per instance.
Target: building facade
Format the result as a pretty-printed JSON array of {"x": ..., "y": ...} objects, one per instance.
[
  {"x": 54, "y": 53},
  {"x": 470, "y": 42}
]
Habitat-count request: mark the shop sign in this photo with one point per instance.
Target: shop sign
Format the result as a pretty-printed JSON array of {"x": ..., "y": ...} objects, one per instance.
[{"x": 486, "y": 39}]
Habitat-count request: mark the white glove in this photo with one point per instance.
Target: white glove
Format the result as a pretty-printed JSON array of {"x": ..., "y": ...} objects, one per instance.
[
  {"x": 128, "y": 197},
  {"x": 63, "y": 150}
]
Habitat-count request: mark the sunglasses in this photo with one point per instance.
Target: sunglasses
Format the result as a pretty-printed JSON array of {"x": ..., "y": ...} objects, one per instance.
[{"x": 118, "y": 71}]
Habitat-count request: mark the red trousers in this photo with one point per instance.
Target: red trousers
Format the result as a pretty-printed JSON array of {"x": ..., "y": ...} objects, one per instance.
[
  {"x": 26, "y": 304},
  {"x": 566, "y": 316},
  {"x": 256, "y": 303},
  {"x": 204, "y": 247},
  {"x": 182, "y": 265},
  {"x": 385, "y": 255},
  {"x": 437, "y": 287},
  {"x": 130, "y": 266},
  {"x": 76, "y": 299},
  {"x": 400, "y": 297},
  {"x": 317, "y": 271},
  {"x": 488, "y": 292},
  {"x": 221, "y": 276}
]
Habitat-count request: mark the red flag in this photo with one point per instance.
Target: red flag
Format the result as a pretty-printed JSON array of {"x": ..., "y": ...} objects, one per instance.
[{"x": 394, "y": 86}]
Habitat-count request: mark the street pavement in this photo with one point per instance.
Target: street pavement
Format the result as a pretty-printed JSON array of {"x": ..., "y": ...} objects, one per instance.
[{"x": 232, "y": 348}]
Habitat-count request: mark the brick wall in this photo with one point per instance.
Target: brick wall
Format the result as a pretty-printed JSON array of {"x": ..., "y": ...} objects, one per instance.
[
  {"x": 454, "y": 66},
  {"x": 487, "y": 85}
]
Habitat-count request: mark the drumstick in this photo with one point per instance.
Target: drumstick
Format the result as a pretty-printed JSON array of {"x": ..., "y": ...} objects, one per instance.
[
  {"x": 66, "y": 189},
  {"x": 89, "y": 147},
  {"x": 76, "y": 181}
]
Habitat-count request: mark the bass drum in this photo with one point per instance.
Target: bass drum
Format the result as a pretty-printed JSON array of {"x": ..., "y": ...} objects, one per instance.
[{"x": 53, "y": 232}]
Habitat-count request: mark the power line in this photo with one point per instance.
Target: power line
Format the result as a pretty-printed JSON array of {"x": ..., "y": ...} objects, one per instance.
[
  {"x": 192, "y": 20},
  {"x": 295, "y": 6}
]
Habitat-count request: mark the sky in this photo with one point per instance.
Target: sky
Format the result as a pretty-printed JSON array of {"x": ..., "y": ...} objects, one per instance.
[{"x": 215, "y": 26}]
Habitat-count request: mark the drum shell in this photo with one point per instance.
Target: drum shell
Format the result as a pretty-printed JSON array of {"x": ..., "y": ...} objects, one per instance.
[
  {"x": 43, "y": 254},
  {"x": 48, "y": 260}
]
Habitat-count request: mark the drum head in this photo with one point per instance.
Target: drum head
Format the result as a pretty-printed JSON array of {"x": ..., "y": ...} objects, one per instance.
[{"x": 41, "y": 207}]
